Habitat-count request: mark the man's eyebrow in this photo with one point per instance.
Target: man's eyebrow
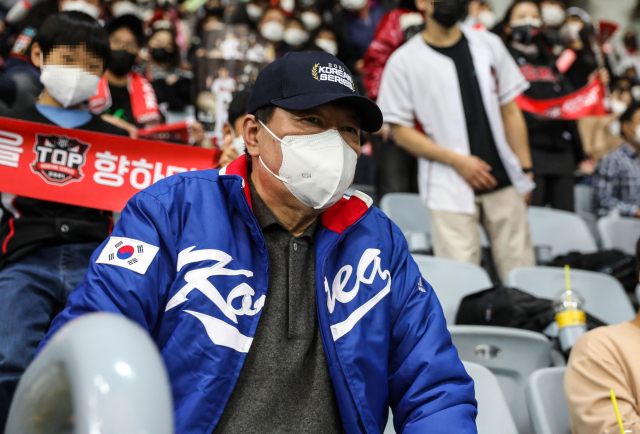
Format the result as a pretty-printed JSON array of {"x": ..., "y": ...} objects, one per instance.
[{"x": 354, "y": 117}]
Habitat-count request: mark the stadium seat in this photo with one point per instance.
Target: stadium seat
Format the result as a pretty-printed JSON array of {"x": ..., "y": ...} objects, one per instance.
[
  {"x": 100, "y": 373},
  {"x": 620, "y": 233},
  {"x": 547, "y": 403},
  {"x": 493, "y": 412},
  {"x": 583, "y": 198},
  {"x": 604, "y": 296},
  {"x": 561, "y": 231},
  {"x": 406, "y": 211},
  {"x": 452, "y": 281},
  {"x": 511, "y": 354}
]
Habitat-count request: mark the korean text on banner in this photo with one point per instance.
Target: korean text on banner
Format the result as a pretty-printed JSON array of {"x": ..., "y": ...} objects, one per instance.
[{"x": 84, "y": 168}]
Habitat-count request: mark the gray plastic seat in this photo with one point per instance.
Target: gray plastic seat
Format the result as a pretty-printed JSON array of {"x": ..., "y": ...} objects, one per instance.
[
  {"x": 583, "y": 198},
  {"x": 100, "y": 373},
  {"x": 560, "y": 231},
  {"x": 406, "y": 211},
  {"x": 493, "y": 412},
  {"x": 547, "y": 403},
  {"x": 604, "y": 296},
  {"x": 620, "y": 233},
  {"x": 452, "y": 281},
  {"x": 512, "y": 355}
]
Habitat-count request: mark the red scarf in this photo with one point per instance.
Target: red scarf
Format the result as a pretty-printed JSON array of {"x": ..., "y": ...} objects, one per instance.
[{"x": 144, "y": 104}]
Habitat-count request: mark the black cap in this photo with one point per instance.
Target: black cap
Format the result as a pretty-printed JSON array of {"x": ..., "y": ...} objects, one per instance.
[
  {"x": 300, "y": 81},
  {"x": 130, "y": 22}
]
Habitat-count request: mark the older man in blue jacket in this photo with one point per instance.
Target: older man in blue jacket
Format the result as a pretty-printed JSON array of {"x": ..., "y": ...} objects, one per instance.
[{"x": 279, "y": 305}]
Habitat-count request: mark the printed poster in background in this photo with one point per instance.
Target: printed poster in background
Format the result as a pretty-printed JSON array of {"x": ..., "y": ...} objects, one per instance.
[
  {"x": 229, "y": 60},
  {"x": 83, "y": 168}
]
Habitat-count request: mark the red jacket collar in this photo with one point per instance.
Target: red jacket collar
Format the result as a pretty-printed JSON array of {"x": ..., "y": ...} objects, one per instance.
[{"x": 337, "y": 218}]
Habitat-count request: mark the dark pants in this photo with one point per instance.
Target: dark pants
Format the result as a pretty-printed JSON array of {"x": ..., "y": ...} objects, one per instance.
[
  {"x": 33, "y": 291},
  {"x": 555, "y": 190}
]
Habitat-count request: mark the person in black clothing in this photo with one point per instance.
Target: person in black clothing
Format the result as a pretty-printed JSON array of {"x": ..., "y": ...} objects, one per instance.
[
  {"x": 556, "y": 148},
  {"x": 171, "y": 84},
  {"x": 46, "y": 246}
]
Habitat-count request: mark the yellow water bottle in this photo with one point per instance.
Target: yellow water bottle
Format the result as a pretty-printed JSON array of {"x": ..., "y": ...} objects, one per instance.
[{"x": 571, "y": 319}]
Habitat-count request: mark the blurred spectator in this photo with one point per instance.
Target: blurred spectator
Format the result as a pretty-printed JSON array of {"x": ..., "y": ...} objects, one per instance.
[
  {"x": 233, "y": 142},
  {"x": 617, "y": 177},
  {"x": 20, "y": 75},
  {"x": 249, "y": 13},
  {"x": 46, "y": 245},
  {"x": 324, "y": 39},
  {"x": 271, "y": 28},
  {"x": 556, "y": 148},
  {"x": 125, "y": 97},
  {"x": 93, "y": 8},
  {"x": 467, "y": 175},
  {"x": 396, "y": 169},
  {"x": 311, "y": 19},
  {"x": 601, "y": 134},
  {"x": 295, "y": 34},
  {"x": 578, "y": 34},
  {"x": 628, "y": 51},
  {"x": 481, "y": 15},
  {"x": 553, "y": 16},
  {"x": 603, "y": 359},
  {"x": 171, "y": 84},
  {"x": 355, "y": 25}
]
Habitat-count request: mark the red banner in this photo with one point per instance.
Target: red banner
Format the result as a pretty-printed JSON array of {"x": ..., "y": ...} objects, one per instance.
[
  {"x": 178, "y": 131},
  {"x": 87, "y": 169},
  {"x": 588, "y": 101}
]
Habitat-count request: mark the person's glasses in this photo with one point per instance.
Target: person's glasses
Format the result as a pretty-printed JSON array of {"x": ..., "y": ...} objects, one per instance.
[{"x": 131, "y": 47}]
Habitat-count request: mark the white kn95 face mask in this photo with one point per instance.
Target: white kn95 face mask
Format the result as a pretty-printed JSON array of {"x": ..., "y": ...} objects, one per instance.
[
  {"x": 69, "y": 85},
  {"x": 317, "y": 168}
]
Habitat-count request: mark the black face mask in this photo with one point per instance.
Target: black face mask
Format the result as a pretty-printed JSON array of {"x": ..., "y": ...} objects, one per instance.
[
  {"x": 524, "y": 34},
  {"x": 448, "y": 12},
  {"x": 161, "y": 55},
  {"x": 121, "y": 62}
]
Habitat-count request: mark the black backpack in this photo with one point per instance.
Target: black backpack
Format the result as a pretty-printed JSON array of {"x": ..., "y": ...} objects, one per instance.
[
  {"x": 612, "y": 262},
  {"x": 510, "y": 307}
]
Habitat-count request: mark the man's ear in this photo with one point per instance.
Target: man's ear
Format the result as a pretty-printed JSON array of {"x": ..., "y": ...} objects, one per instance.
[
  {"x": 250, "y": 128},
  {"x": 35, "y": 55}
]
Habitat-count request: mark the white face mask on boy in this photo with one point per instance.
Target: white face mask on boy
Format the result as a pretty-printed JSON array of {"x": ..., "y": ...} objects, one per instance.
[
  {"x": 69, "y": 85},
  {"x": 316, "y": 168}
]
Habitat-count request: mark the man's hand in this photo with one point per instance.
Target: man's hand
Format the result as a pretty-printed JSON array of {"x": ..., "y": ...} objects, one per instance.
[
  {"x": 529, "y": 196},
  {"x": 476, "y": 172},
  {"x": 637, "y": 215}
]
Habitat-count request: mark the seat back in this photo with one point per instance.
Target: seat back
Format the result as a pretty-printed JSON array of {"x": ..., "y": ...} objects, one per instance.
[
  {"x": 494, "y": 416},
  {"x": 559, "y": 231},
  {"x": 493, "y": 412},
  {"x": 620, "y": 233},
  {"x": 452, "y": 281},
  {"x": 407, "y": 211},
  {"x": 583, "y": 197},
  {"x": 604, "y": 296},
  {"x": 100, "y": 372},
  {"x": 547, "y": 403},
  {"x": 511, "y": 354}
]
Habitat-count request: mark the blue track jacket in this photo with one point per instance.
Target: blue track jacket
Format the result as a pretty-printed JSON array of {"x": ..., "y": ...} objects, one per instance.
[{"x": 188, "y": 262}]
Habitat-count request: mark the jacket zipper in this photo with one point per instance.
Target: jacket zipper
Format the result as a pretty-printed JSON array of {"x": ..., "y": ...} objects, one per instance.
[{"x": 324, "y": 263}]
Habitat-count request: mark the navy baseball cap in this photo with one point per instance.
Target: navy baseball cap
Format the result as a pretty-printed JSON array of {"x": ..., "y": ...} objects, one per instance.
[{"x": 301, "y": 81}]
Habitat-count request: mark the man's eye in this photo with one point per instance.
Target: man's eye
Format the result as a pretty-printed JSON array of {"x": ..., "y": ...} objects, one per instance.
[
  {"x": 351, "y": 130},
  {"x": 312, "y": 119},
  {"x": 67, "y": 58}
]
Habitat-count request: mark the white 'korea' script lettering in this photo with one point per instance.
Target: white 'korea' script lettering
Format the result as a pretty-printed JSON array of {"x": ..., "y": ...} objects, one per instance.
[
  {"x": 218, "y": 331},
  {"x": 337, "y": 292}
]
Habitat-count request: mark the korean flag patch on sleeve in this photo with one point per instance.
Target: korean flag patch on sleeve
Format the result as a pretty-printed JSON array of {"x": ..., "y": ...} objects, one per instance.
[{"x": 127, "y": 253}]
